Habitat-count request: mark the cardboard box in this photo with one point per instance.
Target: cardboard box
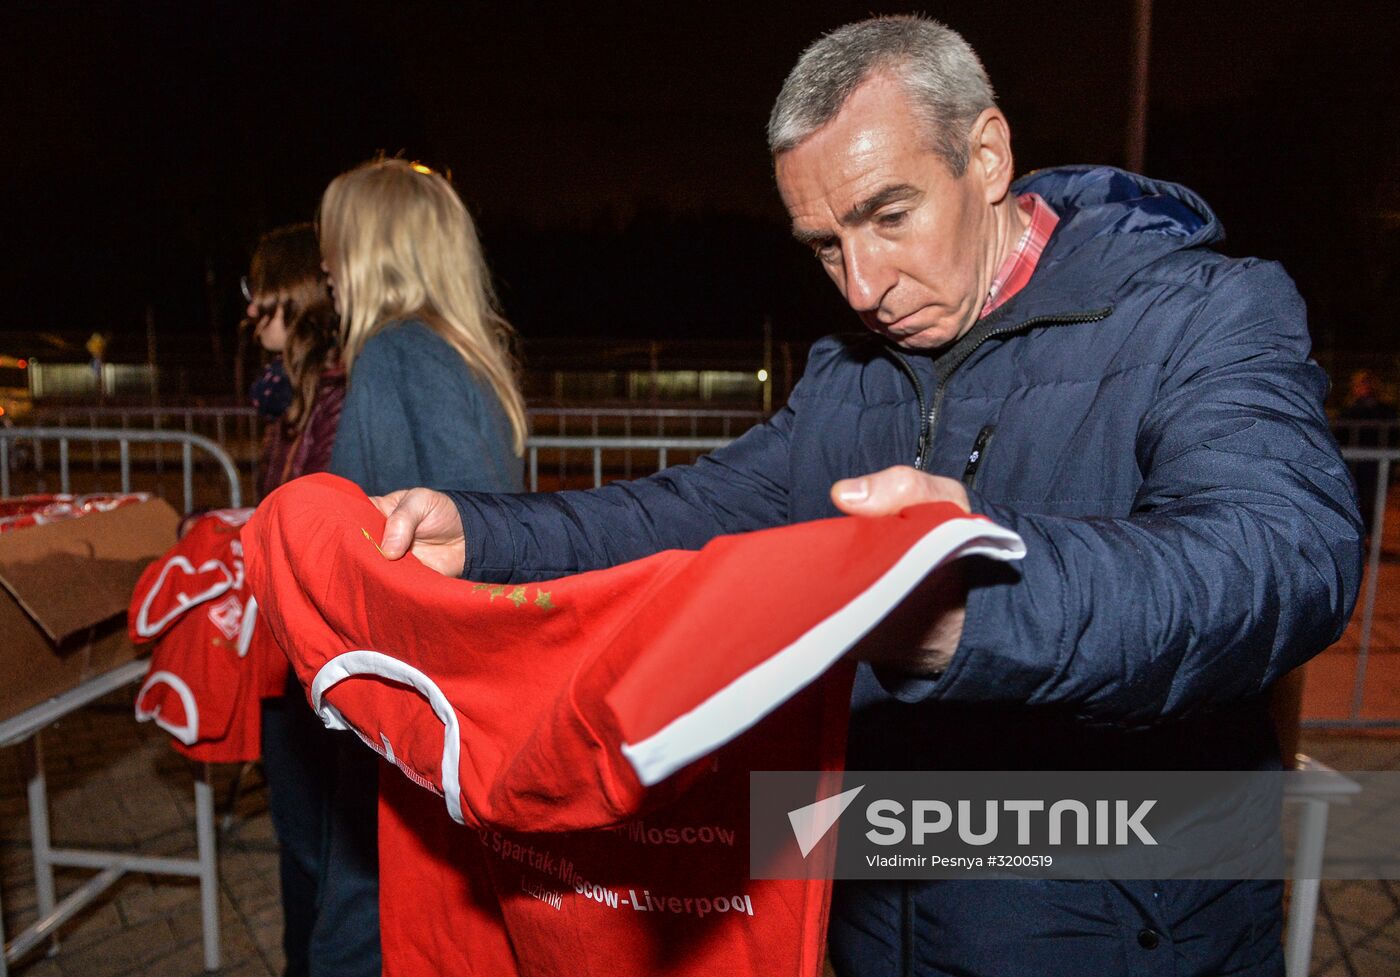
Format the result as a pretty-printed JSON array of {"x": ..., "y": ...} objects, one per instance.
[{"x": 66, "y": 586}]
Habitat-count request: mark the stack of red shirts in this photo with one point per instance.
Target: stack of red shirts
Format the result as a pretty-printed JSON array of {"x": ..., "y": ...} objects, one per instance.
[
  {"x": 595, "y": 732},
  {"x": 212, "y": 664},
  {"x": 36, "y": 510}
]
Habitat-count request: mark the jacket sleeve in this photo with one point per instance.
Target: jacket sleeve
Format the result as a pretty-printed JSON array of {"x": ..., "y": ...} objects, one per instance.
[
  {"x": 740, "y": 487},
  {"x": 1240, "y": 560}
]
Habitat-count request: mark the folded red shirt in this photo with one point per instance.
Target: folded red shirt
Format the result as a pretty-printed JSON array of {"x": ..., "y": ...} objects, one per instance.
[
  {"x": 597, "y": 730},
  {"x": 211, "y": 663},
  {"x": 36, "y": 510}
]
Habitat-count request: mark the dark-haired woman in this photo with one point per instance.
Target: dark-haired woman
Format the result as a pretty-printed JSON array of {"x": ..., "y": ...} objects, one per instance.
[
  {"x": 303, "y": 388},
  {"x": 301, "y": 394}
]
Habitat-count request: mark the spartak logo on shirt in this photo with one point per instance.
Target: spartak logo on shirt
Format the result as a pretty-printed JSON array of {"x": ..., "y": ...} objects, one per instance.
[{"x": 227, "y": 616}]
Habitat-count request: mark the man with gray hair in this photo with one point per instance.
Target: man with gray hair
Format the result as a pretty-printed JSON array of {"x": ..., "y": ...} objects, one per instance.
[
  {"x": 1067, "y": 355},
  {"x": 946, "y": 84}
]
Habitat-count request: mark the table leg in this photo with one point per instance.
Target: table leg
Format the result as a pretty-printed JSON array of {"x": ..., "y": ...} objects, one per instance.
[
  {"x": 39, "y": 839},
  {"x": 208, "y": 866},
  {"x": 1307, "y": 886}
]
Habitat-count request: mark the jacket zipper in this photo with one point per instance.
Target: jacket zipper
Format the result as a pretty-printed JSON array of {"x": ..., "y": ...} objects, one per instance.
[
  {"x": 980, "y": 446},
  {"x": 923, "y": 416},
  {"x": 929, "y": 420}
]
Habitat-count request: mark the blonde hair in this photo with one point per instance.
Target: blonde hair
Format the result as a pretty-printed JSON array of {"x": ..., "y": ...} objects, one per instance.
[{"x": 400, "y": 244}]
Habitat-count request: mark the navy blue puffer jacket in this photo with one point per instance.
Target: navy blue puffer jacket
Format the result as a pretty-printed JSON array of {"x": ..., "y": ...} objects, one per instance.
[{"x": 1144, "y": 413}]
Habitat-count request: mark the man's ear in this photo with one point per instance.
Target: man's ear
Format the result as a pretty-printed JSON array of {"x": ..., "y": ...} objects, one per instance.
[{"x": 989, "y": 143}]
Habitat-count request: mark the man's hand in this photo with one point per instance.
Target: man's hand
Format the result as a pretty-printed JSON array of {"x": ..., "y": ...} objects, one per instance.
[
  {"x": 427, "y": 523},
  {"x": 894, "y": 490},
  {"x": 922, "y": 633}
]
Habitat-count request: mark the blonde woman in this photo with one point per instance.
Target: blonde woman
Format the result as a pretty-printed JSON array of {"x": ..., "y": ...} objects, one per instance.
[
  {"x": 433, "y": 394},
  {"x": 432, "y": 400}
]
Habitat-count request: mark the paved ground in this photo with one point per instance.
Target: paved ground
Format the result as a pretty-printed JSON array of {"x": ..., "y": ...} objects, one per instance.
[{"x": 115, "y": 783}]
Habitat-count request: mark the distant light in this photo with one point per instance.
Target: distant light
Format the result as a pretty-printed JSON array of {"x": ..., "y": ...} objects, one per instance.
[
  {"x": 2, "y": 412},
  {"x": 23, "y": 364},
  {"x": 762, "y": 376},
  {"x": 420, "y": 168}
]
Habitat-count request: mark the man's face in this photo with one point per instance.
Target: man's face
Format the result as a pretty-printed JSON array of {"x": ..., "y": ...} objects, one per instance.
[{"x": 910, "y": 246}]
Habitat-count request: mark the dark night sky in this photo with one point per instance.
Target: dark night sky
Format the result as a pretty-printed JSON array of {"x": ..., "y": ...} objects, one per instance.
[{"x": 614, "y": 154}]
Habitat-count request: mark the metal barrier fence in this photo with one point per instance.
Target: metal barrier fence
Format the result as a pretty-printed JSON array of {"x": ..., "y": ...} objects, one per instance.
[
  {"x": 34, "y": 439},
  {"x": 242, "y": 422},
  {"x": 237, "y": 431},
  {"x": 653, "y": 422},
  {"x": 612, "y": 455},
  {"x": 657, "y": 422},
  {"x": 1360, "y": 460},
  {"x": 607, "y": 457}
]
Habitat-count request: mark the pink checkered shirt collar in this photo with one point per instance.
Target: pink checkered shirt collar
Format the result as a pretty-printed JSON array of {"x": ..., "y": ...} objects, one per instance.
[{"x": 1017, "y": 267}]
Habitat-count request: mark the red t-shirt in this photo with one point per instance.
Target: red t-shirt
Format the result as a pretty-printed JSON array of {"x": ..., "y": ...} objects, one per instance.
[
  {"x": 596, "y": 732},
  {"x": 211, "y": 664}
]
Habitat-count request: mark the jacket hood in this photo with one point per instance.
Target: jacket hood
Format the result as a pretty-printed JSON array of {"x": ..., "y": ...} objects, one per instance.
[{"x": 1114, "y": 223}]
